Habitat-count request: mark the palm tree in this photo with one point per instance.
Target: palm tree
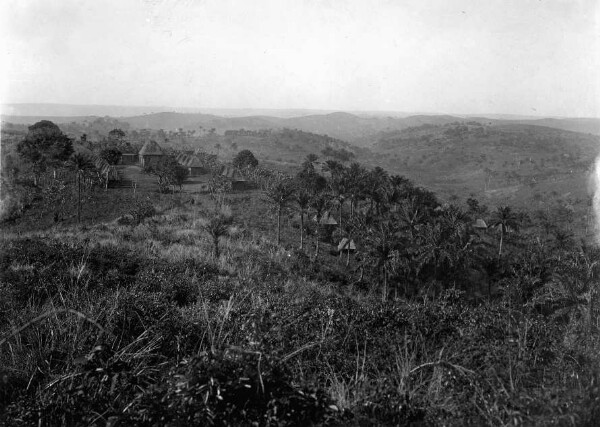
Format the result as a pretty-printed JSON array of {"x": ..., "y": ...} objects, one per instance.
[
  {"x": 334, "y": 167},
  {"x": 411, "y": 217},
  {"x": 279, "y": 194},
  {"x": 434, "y": 249},
  {"x": 319, "y": 203},
  {"x": 356, "y": 176},
  {"x": 81, "y": 165},
  {"x": 574, "y": 293},
  {"x": 505, "y": 220},
  {"x": 381, "y": 243},
  {"x": 377, "y": 181},
  {"x": 218, "y": 225},
  {"x": 302, "y": 202},
  {"x": 339, "y": 189}
]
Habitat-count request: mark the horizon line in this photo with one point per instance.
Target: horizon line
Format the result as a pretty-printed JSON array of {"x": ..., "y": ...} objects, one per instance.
[{"x": 170, "y": 109}]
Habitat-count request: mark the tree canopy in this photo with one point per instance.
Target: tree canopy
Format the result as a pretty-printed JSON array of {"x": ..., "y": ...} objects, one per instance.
[
  {"x": 112, "y": 155},
  {"x": 244, "y": 159},
  {"x": 45, "y": 143},
  {"x": 168, "y": 172}
]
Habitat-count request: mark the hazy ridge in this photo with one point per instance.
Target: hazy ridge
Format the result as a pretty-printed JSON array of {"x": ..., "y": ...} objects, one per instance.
[{"x": 354, "y": 128}]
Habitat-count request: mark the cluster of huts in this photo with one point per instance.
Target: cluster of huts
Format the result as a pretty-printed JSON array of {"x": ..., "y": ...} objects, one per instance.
[
  {"x": 328, "y": 225},
  {"x": 151, "y": 152}
]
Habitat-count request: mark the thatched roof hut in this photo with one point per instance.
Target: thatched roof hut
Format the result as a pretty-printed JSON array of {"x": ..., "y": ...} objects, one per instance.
[
  {"x": 326, "y": 219},
  {"x": 233, "y": 174},
  {"x": 346, "y": 245},
  {"x": 150, "y": 152},
  {"x": 480, "y": 224},
  {"x": 192, "y": 163}
]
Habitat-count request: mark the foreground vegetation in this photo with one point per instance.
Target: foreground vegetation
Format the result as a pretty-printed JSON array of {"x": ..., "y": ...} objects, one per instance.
[{"x": 142, "y": 325}]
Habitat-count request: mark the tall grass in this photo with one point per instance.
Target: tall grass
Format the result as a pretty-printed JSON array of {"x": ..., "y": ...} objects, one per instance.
[{"x": 132, "y": 323}]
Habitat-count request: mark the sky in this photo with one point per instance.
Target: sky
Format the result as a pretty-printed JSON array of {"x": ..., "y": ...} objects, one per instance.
[{"x": 531, "y": 57}]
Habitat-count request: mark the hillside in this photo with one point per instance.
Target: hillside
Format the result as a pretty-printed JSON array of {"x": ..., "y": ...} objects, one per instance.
[
  {"x": 146, "y": 323},
  {"x": 359, "y": 129},
  {"x": 345, "y": 126},
  {"x": 584, "y": 125},
  {"x": 528, "y": 165}
]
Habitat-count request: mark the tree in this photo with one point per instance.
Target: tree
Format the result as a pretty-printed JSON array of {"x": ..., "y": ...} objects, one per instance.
[
  {"x": 380, "y": 243},
  {"x": 244, "y": 159},
  {"x": 218, "y": 225},
  {"x": 311, "y": 158},
  {"x": 112, "y": 155},
  {"x": 356, "y": 175},
  {"x": 179, "y": 175},
  {"x": 505, "y": 220},
  {"x": 57, "y": 195},
  {"x": 116, "y": 136},
  {"x": 376, "y": 182},
  {"x": 81, "y": 165},
  {"x": 302, "y": 202},
  {"x": 45, "y": 144},
  {"x": 573, "y": 292},
  {"x": 310, "y": 180},
  {"x": 168, "y": 172},
  {"x": 279, "y": 194},
  {"x": 339, "y": 187},
  {"x": 334, "y": 167},
  {"x": 319, "y": 204}
]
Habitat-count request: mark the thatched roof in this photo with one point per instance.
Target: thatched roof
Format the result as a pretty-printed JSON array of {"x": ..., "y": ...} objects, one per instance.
[
  {"x": 480, "y": 224},
  {"x": 104, "y": 168},
  {"x": 232, "y": 173},
  {"x": 189, "y": 161},
  {"x": 344, "y": 245},
  {"x": 326, "y": 219},
  {"x": 151, "y": 148}
]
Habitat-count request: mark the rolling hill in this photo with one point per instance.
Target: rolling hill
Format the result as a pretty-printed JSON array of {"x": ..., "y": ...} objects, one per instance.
[
  {"x": 359, "y": 129},
  {"x": 526, "y": 165}
]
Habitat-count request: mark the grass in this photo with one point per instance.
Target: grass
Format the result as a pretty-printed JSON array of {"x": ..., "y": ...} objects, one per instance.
[{"x": 141, "y": 325}]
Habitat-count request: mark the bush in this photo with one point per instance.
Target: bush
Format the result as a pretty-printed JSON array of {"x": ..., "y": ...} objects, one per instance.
[
  {"x": 141, "y": 210},
  {"x": 244, "y": 159},
  {"x": 234, "y": 388}
]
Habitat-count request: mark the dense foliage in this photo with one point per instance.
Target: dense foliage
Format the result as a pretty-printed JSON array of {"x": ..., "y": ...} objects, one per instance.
[
  {"x": 168, "y": 173},
  {"x": 112, "y": 155},
  {"x": 45, "y": 145},
  {"x": 245, "y": 159}
]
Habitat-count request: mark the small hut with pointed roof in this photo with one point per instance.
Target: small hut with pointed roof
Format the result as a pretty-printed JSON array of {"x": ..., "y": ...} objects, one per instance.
[
  {"x": 151, "y": 152},
  {"x": 192, "y": 163},
  {"x": 326, "y": 219},
  {"x": 327, "y": 224},
  {"x": 480, "y": 224},
  {"x": 346, "y": 245},
  {"x": 231, "y": 173}
]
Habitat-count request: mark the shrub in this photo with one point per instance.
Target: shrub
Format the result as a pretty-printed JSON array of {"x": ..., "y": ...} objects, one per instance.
[
  {"x": 141, "y": 210},
  {"x": 245, "y": 158}
]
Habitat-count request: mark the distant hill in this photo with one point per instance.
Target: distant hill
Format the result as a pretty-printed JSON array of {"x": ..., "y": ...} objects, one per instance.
[
  {"x": 29, "y": 120},
  {"x": 345, "y": 126},
  {"x": 504, "y": 162},
  {"x": 76, "y": 110},
  {"x": 584, "y": 125},
  {"x": 360, "y": 128}
]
